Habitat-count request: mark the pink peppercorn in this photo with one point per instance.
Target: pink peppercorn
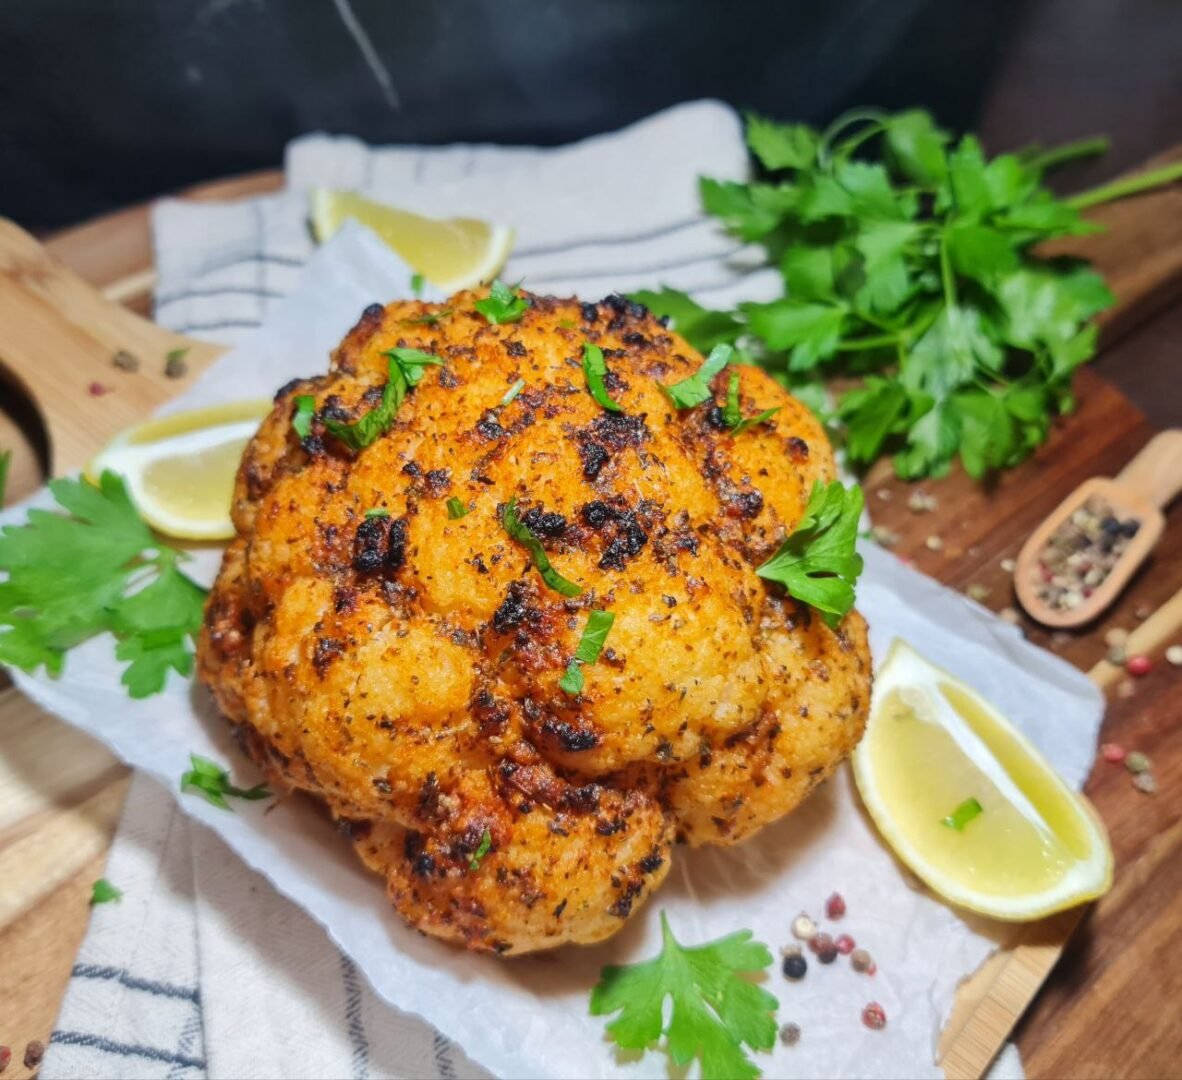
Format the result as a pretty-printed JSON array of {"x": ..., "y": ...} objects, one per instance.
[
  {"x": 872, "y": 969},
  {"x": 845, "y": 944},
  {"x": 874, "y": 1016},
  {"x": 97, "y": 389},
  {"x": 1138, "y": 665},
  {"x": 835, "y": 906},
  {"x": 5, "y": 1057},
  {"x": 821, "y": 941},
  {"x": 1112, "y": 753}
]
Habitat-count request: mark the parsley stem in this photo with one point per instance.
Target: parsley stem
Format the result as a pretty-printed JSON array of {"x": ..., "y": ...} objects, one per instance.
[
  {"x": 854, "y": 116},
  {"x": 1130, "y": 185},
  {"x": 1058, "y": 155},
  {"x": 947, "y": 280},
  {"x": 876, "y": 341}
]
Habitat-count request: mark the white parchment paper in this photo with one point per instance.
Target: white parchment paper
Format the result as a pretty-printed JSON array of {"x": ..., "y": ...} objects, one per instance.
[{"x": 528, "y": 1017}]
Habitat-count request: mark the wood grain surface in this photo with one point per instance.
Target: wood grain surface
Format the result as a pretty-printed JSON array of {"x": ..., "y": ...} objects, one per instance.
[{"x": 55, "y": 822}]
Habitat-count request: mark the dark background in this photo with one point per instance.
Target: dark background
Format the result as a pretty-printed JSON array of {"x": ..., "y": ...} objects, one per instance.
[
  {"x": 105, "y": 102},
  {"x": 108, "y": 102}
]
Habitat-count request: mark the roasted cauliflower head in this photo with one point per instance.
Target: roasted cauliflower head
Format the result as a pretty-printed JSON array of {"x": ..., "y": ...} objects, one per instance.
[{"x": 381, "y": 641}]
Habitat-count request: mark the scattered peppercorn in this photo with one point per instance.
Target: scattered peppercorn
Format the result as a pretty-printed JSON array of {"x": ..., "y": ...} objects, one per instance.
[
  {"x": 920, "y": 502},
  {"x": 883, "y": 536},
  {"x": 803, "y": 928},
  {"x": 1112, "y": 753},
  {"x": 1174, "y": 655},
  {"x": 34, "y": 1052},
  {"x": 860, "y": 960},
  {"x": 1008, "y": 565},
  {"x": 795, "y": 966},
  {"x": 827, "y": 953},
  {"x": 934, "y": 543},
  {"x": 1137, "y": 762},
  {"x": 1145, "y": 783},
  {"x": 96, "y": 389},
  {"x": 1139, "y": 665},
  {"x": 835, "y": 906},
  {"x": 874, "y": 1016},
  {"x": 174, "y": 364},
  {"x": 790, "y": 950},
  {"x": 820, "y": 940},
  {"x": 125, "y": 361},
  {"x": 5, "y": 1057},
  {"x": 790, "y": 1034},
  {"x": 844, "y": 943}
]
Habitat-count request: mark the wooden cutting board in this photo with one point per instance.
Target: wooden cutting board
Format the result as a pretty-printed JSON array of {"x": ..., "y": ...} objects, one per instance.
[{"x": 60, "y": 792}]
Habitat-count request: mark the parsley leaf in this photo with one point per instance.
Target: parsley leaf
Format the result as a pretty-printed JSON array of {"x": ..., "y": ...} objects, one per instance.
[
  {"x": 406, "y": 371},
  {"x": 417, "y": 281},
  {"x": 305, "y": 409},
  {"x": 595, "y": 370},
  {"x": 513, "y": 525},
  {"x": 963, "y": 814},
  {"x": 482, "y": 850},
  {"x": 103, "y": 892},
  {"x": 504, "y": 304},
  {"x": 377, "y": 512},
  {"x": 212, "y": 782},
  {"x": 818, "y": 563},
  {"x": 587, "y": 651},
  {"x": 456, "y": 509},
  {"x": 695, "y": 389},
  {"x": 732, "y": 413},
  {"x": 96, "y": 568},
  {"x": 909, "y": 266},
  {"x": 715, "y": 1011}
]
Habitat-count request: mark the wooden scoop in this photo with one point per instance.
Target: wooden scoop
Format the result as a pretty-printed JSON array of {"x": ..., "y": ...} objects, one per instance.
[{"x": 1142, "y": 490}]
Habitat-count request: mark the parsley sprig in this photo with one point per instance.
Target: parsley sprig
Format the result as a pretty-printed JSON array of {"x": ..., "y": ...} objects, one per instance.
[
  {"x": 910, "y": 263},
  {"x": 504, "y": 304},
  {"x": 818, "y": 563},
  {"x": 695, "y": 389},
  {"x": 406, "y": 371},
  {"x": 212, "y": 782},
  {"x": 96, "y": 568},
  {"x": 587, "y": 651},
  {"x": 715, "y": 1010},
  {"x": 732, "y": 412},
  {"x": 512, "y": 524}
]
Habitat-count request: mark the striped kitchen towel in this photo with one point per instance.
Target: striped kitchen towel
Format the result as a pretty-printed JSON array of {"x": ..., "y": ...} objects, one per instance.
[{"x": 203, "y": 969}]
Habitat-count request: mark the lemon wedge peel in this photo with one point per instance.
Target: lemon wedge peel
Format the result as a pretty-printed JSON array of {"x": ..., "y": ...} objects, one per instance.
[
  {"x": 180, "y": 469},
  {"x": 452, "y": 254},
  {"x": 1010, "y": 862}
]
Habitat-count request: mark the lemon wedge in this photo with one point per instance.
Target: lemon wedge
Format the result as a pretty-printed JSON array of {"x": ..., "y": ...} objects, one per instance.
[
  {"x": 968, "y": 803},
  {"x": 459, "y": 253},
  {"x": 180, "y": 469}
]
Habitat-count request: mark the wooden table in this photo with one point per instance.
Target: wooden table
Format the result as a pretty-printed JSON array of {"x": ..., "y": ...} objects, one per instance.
[{"x": 1111, "y": 1007}]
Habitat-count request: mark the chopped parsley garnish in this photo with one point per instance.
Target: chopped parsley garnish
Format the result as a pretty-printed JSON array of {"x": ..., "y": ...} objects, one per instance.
[
  {"x": 732, "y": 414},
  {"x": 377, "y": 512},
  {"x": 103, "y": 892},
  {"x": 595, "y": 369},
  {"x": 963, "y": 814},
  {"x": 588, "y": 650},
  {"x": 481, "y": 851},
  {"x": 430, "y": 319},
  {"x": 212, "y": 782},
  {"x": 96, "y": 568},
  {"x": 406, "y": 371},
  {"x": 513, "y": 525},
  {"x": 305, "y": 409},
  {"x": 695, "y": 389},
  {"x": 513, "y": 391},
  {"x": 455, "y": 509},
  {"x": 714, "y": 1011},
  {"x": 416, "y": 284},
  {"x": 818, "y": 563},
  {"x": 504, "y": 304}
]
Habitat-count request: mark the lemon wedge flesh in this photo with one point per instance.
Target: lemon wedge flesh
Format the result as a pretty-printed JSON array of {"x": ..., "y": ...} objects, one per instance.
[
  {"x": 968, "y": 803},
  {"x": 180, "y": 469},
  {"x": 459, "y": 253}
]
